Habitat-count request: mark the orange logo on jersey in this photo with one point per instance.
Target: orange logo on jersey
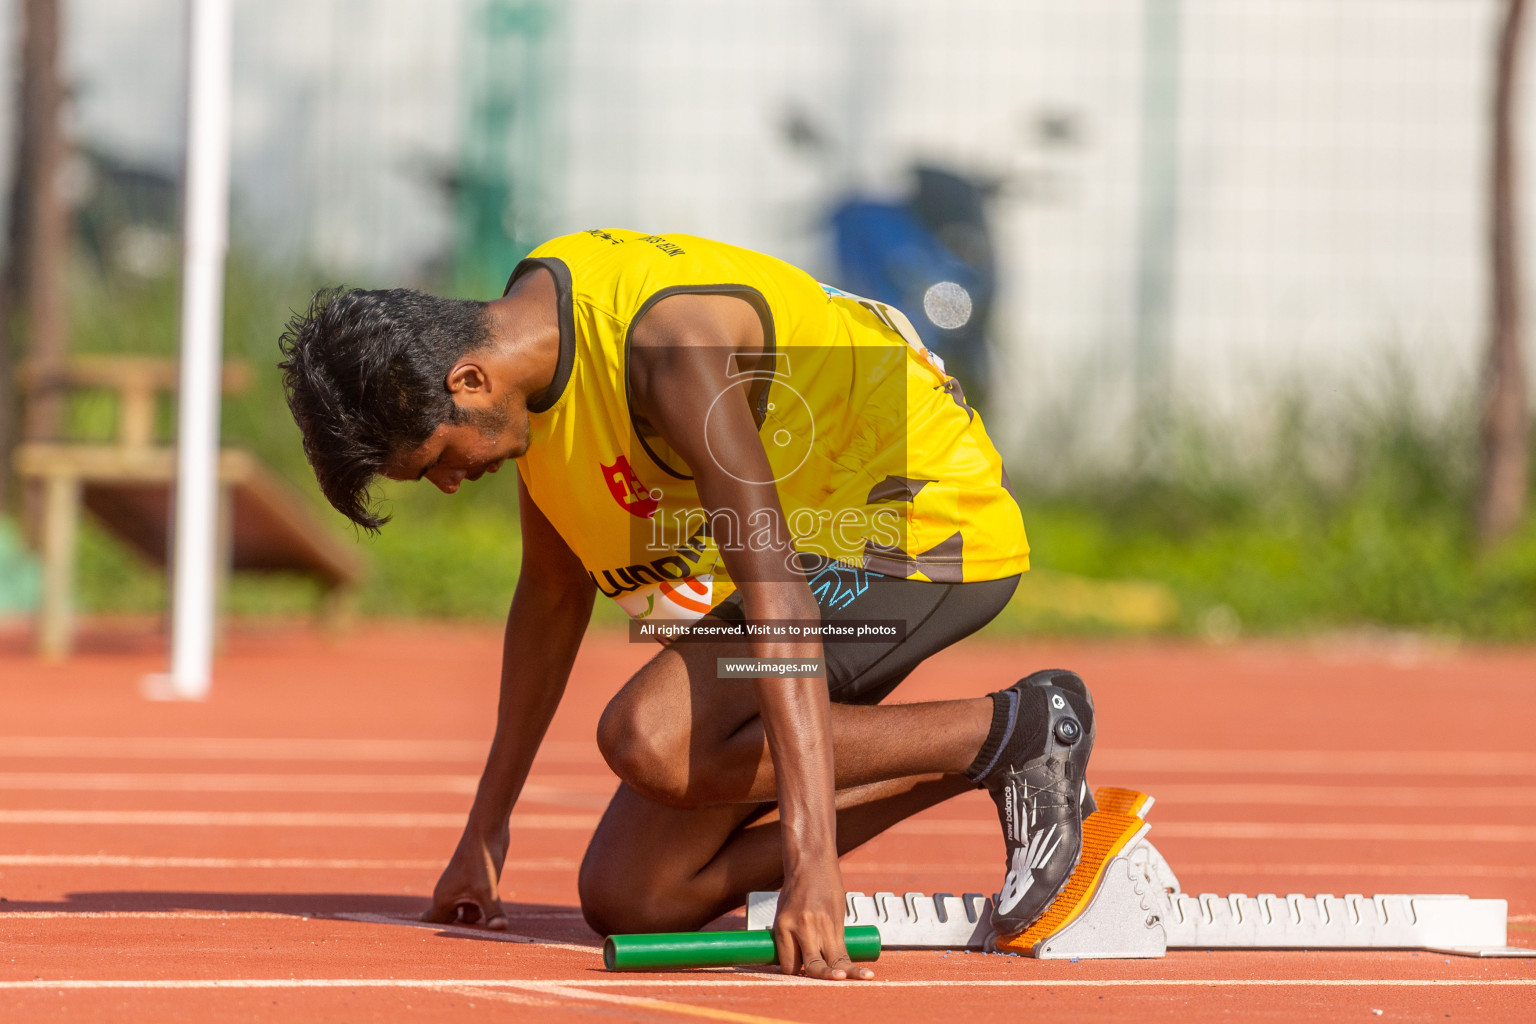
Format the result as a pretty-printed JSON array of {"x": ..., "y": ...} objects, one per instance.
[
  {"x": 688, "y": 601},
  {"x": 632, "y": 495}
]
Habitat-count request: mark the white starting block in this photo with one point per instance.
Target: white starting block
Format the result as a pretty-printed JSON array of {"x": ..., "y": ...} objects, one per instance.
[{"x": 1124, "y": 901}]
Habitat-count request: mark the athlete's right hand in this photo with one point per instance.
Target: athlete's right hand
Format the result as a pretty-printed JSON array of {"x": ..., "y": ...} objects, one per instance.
[
  {"x": 467, "y": 894},
  {"x": 808, "y": 927}
]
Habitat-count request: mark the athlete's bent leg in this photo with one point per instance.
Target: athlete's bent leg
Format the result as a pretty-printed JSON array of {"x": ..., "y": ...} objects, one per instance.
[
  {"x": 683, "y": 737},
  {"x": 685, "y": 839},
  {"x": 652, "y": 867}
]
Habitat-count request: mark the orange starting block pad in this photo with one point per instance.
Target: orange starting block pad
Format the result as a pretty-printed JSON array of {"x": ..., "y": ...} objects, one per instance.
[{"x": 1124, "y": 902}]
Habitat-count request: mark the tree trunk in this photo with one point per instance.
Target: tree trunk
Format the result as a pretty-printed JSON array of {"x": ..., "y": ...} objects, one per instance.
[
  {"x": 1503, "y": 479},
  {"x": 40, "y": 221},
  {"x": 32, "y": 287},
  {"x": 10, "y": 422}
]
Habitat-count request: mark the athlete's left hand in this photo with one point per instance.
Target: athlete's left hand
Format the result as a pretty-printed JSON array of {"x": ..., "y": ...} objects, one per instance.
[{"x": 808, "y": 928}]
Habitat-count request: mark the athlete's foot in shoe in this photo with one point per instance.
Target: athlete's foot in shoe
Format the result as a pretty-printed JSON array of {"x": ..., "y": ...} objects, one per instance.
[
  {"x": 1072, "y": 683},
  {"x": 1033, "y": 763}
]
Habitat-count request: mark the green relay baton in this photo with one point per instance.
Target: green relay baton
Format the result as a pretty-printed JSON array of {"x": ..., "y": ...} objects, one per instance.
[{"x": 665, "y": 951}]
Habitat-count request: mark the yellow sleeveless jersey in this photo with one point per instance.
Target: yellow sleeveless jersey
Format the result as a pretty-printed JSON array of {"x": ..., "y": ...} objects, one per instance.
[{"x": 878, "y": 463}]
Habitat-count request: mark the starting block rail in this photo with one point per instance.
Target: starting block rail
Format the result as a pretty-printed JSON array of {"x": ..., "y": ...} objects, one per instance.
[{"x": 1124, "y": 901}]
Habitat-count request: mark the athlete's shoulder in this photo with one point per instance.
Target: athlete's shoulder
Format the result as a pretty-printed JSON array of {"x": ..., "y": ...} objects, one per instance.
[
  {"x": 618, "y": 242},
  {"x": 580, "y": 244},
  {"x": 673, "y": 248}
]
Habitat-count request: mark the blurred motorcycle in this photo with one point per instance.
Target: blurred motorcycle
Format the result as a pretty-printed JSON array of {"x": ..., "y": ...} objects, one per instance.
[{"x": 932, "y": 256}]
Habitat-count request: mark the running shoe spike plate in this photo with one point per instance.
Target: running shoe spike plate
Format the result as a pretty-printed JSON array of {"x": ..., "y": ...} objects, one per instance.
[{"x": 1040, "y": 808}]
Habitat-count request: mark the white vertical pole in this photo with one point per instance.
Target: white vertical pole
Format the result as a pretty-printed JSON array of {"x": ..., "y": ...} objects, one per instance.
[{"x": 205, "y": 241}]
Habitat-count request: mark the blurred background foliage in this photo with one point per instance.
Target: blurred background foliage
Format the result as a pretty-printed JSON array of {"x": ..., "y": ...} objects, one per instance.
[
  {"x": 1354, "y": 516},
  {"x": 1228, "y": 261}
]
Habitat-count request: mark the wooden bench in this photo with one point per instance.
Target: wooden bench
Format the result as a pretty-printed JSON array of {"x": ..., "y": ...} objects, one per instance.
[{"x": 127, "y": 483}]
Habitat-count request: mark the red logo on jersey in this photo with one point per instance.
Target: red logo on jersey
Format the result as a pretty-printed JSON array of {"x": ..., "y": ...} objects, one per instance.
[{"x": 632, "y": 495}]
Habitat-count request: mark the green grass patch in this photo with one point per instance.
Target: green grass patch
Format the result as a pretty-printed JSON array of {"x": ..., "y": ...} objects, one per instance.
[{"x": 1360, "y": 520}]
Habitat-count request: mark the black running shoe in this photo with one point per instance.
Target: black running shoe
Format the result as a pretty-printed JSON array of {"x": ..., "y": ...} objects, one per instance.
[
  {"x": 1073, "y": 682},
  {"x": 1039, "y": 803}
]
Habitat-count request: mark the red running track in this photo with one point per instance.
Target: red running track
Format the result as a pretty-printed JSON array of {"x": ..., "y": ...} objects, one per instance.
[{"x": 261, "y": 855}]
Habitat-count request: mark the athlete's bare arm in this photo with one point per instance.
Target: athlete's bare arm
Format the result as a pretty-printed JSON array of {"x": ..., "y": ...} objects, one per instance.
[
  {"x": 677, "y": 369},
  {"x": 550, "y": 611}
]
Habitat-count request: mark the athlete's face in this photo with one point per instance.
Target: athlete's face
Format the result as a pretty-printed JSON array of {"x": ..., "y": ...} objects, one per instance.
[
  {"x": 491, "y": 427},
  {"x": 457, "y": 452}
]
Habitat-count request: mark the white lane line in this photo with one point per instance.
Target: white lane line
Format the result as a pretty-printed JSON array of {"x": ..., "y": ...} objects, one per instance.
[
  {"x": 565, "y": 787},
  {"x": 1318, "y": 762},
  {"x": 723, "y": 980},
  {"x": 147, "y": 782},
  {"x": 276, "y": 748},
  {"x": 180, "y": 915},
  {"x": 105, "y": 860},
  {"x": 1223, "y": 762},
  {"x": 1312, "y": 831},
  {"x": 85, "y": 860},
  {"x": 729, "y": 979},
  {"x": 522, "y": 995},
  {"x": 243, "y": 748},
  {"x": 1303, "y": 831},
  {"x": 355, "y": 918},
  {"x": 479, "y": 933},
  {"x": 220, "y": 915},
  {"x": 287, "y": 819},
  {"x": 1347, "y": 795},
  {"x": 1189, "y": 870},
  {"x": 511, "y": 996},
  {"x": 1310, "y": 869},
  {"x": 253, "y": 782}
]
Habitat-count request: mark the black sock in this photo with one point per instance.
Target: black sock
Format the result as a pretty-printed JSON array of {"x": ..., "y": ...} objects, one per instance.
[{"x": 1019, "y": 716}]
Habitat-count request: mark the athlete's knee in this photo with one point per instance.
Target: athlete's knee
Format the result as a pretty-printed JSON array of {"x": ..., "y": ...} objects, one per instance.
[
  {"x": 619, "y": 897},
  {"x": 646, "y": 748},
  {"x": 622, "y": 909},
  {"x": 602, "y": 899}
]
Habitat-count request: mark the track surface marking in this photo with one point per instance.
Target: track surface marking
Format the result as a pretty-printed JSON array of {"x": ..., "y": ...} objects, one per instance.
[{"x": 263, "y": 855}]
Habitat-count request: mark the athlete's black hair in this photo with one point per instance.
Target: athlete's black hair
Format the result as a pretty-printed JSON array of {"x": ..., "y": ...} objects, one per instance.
[{"x": 366, "y": 373}]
